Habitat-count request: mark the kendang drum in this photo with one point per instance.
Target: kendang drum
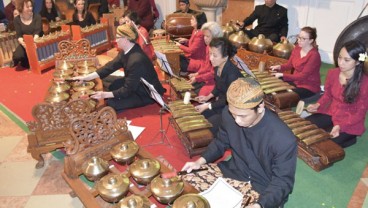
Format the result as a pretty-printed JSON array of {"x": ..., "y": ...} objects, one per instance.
[{"x": 178, "y": 25}]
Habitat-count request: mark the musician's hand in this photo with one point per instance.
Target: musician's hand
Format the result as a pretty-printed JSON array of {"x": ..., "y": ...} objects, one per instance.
[
  {"x": 282, "y": 38},
  {"x": 193, "y": 75},
  {"x": 102, "y": 95},
  {"x": 201, "y": 99},
  {"x": 177, "y": 43},
  {"x": 275, "y": 68},
  {"x": 182, "y": 40},
  {"x": 191, "y": 80},
  {"x": 335, "y": 132},
  {"x": 189, "y": 166},
  {"x": 277, "y": 74},
  {"x": 313, "y": 107},
  {"x": 240, "y": 24},
  {"x": 202, "y": 107}
]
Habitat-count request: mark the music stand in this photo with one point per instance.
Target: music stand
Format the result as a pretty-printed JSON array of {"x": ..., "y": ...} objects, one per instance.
[
  {"x": 165, "y": 66},
  {"x": 157, "y": 97},
  {"x": 241, "y": 65}
]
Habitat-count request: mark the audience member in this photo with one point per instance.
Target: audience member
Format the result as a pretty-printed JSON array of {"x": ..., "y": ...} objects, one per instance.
[
  {"x": 343, "y": 107},
  {"x": 81, "y": 16},
  {"x": 146, "y": 10},
  {"x": 263, "y": 149},
  {"x": 50, "y": 11},
  {"x": 272, "y": 21},
  {"x": 26, "y": 23},
  {"x": 306, "y": 62},
  {"x": 128, "y": 91}
]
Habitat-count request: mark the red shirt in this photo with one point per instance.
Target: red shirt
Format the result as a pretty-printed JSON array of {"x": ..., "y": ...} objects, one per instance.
[
  {"x": 9, "y": 9},
  {"x": 306, "y": 69},
  {"x": 195, "y": 50},
  {"x": 206, "y": 74},
  {"x": 350, "y": 117}
]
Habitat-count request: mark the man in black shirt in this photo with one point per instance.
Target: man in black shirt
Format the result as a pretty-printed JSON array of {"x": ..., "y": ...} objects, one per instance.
[
  {"x": 272, "y": 21},
  {"x": 263, "y": 148},
  {"x": 184, "y": 8}
]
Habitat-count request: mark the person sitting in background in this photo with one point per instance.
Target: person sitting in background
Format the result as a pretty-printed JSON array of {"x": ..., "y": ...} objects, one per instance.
[
  {"x": 102, "y": 9},
  {"x": 343, "y": 107},
  {"x": 204, "y": 80},
  {"x": 50, "y": 11},
  {"x": 184, "y": 7},
  {"x": 128, "y": 91},
  {"x": 131, "y": 18},
  {"x": 306, "y": 62},
  {"x": 26, "y": 23},
  {"x": 221, "y": 52},
  {"x": 272, "y": 21},
  {"x": 263, "y": 149},
  {"x": 193, "y": 48},
  {"x": 146, "y": 10},
  {"x": 81, "y": 16}
]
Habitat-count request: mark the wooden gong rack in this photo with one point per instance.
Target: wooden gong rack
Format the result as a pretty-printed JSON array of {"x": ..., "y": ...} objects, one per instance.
[{"x": 96, "y": 135}]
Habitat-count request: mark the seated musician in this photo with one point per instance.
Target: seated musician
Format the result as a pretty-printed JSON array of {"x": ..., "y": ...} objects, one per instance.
[
  {"x": 221, "y": 52},
  {"x": 264, "y": 150},
  {"x": 184, "y": 7},
  {"x": 82, "y": 16},
  {"x": 131, "y": 18},
  {"x": 50, "y": 11},
  {"x": 128, "y": 91},
  {"x": 26, "y": 23},
  {"x": 306, "y": 62},
  {"x": 343, "y": 107},
  {"x": 102, "y": 8},
  {"x": 204, "y": 80},
  {"x": 193, "y": 48},
  {"x": 272, "y": 21}
]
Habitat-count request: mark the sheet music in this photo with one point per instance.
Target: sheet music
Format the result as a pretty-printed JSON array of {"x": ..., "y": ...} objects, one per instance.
[
  {"x": 164, "y": 64},
  {"x": 242, "y": 65},
  {"x": 221, "y": 194},
  {"x": 154, "y": 94}
]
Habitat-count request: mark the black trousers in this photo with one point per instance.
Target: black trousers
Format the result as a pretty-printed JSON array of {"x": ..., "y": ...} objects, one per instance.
[
  {"x": 20, "y": 56},
  {"x": 324, "y": 121},
  {"x": 254, "y": 33},
  {"x": 302, "y": 92},
  {"x": 112, "y": 83},
  {"x": 214, "y": 117},
  {"x": 184, "y": 62}
]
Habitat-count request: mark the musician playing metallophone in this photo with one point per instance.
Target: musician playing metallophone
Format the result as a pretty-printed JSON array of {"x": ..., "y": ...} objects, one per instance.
[
  {"x": 264, "y": 150},
  {"x": 306, "y": 62},
  {"x": 343, "y": 107},
  {"x": 127, "y": 91},
  {"x": 221, "y": 51}
]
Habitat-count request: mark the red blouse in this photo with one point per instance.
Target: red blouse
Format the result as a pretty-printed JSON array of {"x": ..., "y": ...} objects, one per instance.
[
  {"x": 306, "y": 69},
  {"x": 195, "y": 50},
  {"x": 146, "y": 47},
  {"x": 206, "y": 74},
  {"x": 350, "y": 117}
]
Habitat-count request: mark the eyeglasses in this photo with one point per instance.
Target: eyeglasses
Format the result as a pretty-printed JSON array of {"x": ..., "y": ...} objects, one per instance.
[{"x": 303, "y": 39}]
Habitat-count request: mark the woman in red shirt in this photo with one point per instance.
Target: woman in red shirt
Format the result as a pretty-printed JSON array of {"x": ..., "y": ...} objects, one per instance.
[
  {"x": 194, "y": 48},
  {"x": 306, "y": 61},
  {"x": 342, "y": 108}
]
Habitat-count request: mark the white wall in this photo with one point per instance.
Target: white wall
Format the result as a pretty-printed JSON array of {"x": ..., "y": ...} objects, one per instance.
[
  {"x": 165, "y": 7},
  {"x": 330, "y": 17}
]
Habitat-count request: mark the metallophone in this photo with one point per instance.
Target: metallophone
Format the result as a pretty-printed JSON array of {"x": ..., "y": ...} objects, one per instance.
[
  {"x": 97, "y": 35},
  {"x": 8, "y": 43},
  {"x": 41, "y": 52},
  {"x": 277, "y": 92},
  {"x": 191, "y": 127},
  {"x": 314, "y": 144}
]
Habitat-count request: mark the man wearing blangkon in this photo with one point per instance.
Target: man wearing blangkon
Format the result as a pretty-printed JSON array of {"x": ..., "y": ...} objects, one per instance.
[
  {"x": 272, "y": 21},
  {"x": 263, "y": 148}
]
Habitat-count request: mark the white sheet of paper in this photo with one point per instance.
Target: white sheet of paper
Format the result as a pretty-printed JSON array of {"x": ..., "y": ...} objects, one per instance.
[
  {"x": 136, "y": 130},
  {"x": 221, "y": 194},
  {"x": 241, "y": 65}
]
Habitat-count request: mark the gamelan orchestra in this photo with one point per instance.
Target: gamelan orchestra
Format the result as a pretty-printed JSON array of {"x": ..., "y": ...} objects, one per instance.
[{"x": 248, "y": 90}]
